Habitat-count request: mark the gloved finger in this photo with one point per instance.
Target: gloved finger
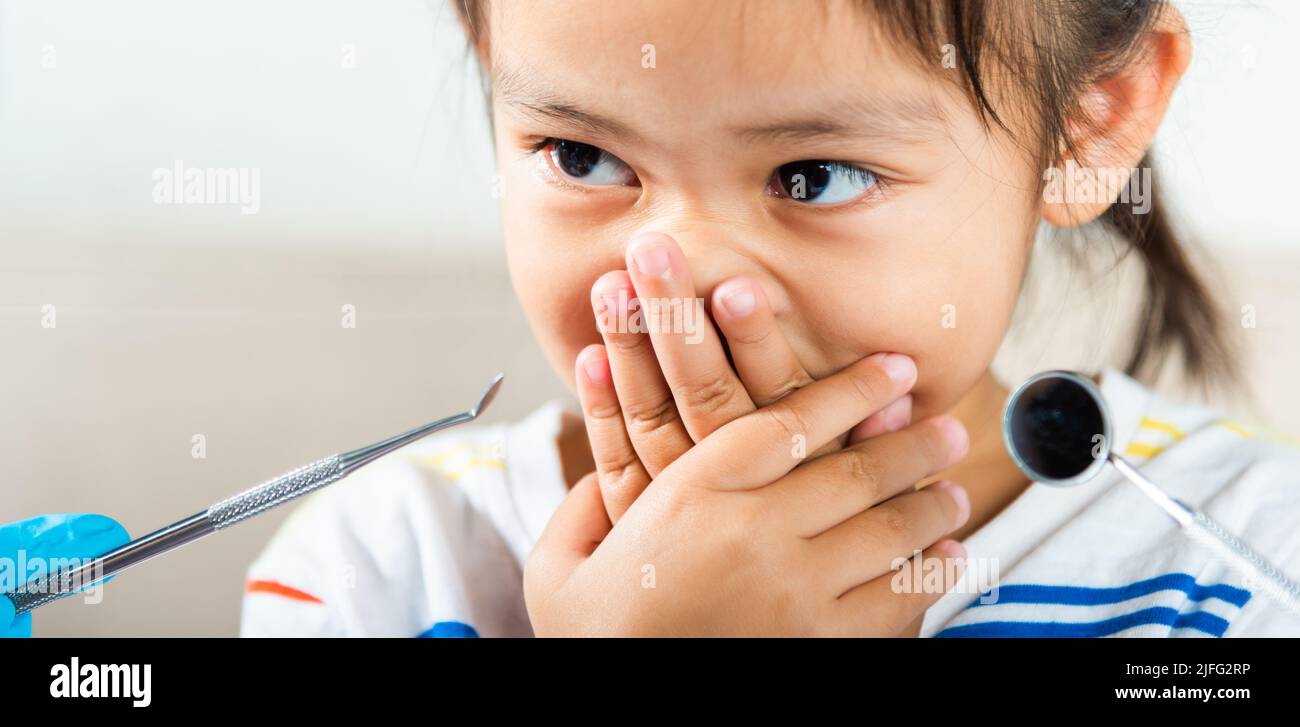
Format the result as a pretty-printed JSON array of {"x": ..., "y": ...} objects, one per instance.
[
  {"x": 6, "y": 614},
  {"x": 74, "y": 535},
  {"x": 50, "y": 541},
  {"x": 54, "y": 537},
  {"x": 21, "y": 628}
]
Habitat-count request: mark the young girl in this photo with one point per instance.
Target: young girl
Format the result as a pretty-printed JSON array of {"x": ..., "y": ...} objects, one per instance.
[{"x": 854, "y": 189}]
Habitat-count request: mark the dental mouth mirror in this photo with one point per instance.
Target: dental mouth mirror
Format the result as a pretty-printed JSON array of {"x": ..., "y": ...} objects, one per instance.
[
  {"x": 1057, "y": 430},
  {"x": 248, "y": 504}
]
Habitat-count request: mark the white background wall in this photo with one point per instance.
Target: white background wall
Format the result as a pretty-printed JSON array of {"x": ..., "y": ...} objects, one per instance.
[
  {"x": 376, "y": 189},
  {"x": 395, "y": 148}
]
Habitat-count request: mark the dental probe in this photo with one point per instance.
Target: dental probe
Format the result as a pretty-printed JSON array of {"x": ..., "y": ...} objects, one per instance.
[{"x": 248, "y": 504}]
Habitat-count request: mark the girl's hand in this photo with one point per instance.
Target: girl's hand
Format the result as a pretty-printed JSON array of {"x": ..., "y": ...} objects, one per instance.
[
  {"x": 731, "y": 538},
  {"x": 649, "y": 397}
]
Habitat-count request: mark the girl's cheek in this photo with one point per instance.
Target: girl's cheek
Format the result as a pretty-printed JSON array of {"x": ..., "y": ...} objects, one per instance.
[
  {"x": 552, "y": 280},
  {"x": 959, "y": 338},
  {"x": 948, "y": 312}
]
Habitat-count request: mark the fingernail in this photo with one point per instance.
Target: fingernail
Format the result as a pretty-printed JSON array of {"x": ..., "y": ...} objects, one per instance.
[
  {"x": 898, "y": 414},
  {"x": 597, "y": 369},
  {"x": 954, "y": 550},
  {"x": 958, "y": 440},
  {"x": 604, "y": 319},
  {"x": 739, "y": 301},
  {"x": 899, "y": 367},
  {"x": 959, "y": 498},
  {"x": 651, "y": 259}
]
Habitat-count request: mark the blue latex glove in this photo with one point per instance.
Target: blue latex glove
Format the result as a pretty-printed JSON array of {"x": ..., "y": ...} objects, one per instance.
[{"x": 51, "y": 536}]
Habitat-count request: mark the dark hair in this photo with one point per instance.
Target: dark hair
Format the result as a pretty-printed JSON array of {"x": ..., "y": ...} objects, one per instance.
[{"x": 1047, "y": 54}]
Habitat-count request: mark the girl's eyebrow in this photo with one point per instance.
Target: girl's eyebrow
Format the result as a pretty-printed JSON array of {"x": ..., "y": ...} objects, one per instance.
[
  {"x": 528, "y": 94},
  {"x": 900, "y": 119},
  {"x": 905, "y": 119}
]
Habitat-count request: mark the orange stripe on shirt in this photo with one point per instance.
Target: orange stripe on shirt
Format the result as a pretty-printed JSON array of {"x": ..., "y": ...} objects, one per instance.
[{"x": 279, "y": 589}]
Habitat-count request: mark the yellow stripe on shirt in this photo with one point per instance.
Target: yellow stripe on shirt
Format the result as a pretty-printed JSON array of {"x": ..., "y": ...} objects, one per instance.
[
  {"x": 1143, "y": 449},
  {"x": 1236, "y": 428},
  {"x": 1161, "y": 426},
  {"x": 460, "y": 460},
  {"x": 1269, "y": 436},
  {"x": 1148, "y": 450}
]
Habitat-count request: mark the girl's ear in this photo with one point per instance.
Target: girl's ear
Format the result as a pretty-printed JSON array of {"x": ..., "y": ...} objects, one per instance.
[{"x": 1123, "y": 112}]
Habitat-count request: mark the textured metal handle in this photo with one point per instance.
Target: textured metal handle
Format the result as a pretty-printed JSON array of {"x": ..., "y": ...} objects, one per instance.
[
  {"x": 1258, "y": 571},
  {"x": 273, "y": 493},
  {"x": 57, "y": 586}
]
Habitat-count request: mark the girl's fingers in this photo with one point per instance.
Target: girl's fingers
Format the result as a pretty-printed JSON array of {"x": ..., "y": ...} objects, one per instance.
[
  {"x": 760, "y": 448},
  {"x": 577, "y": 528},
  {"x": 825, "y": 492},
  {"x": 760, "y": 352},
  {"x": 890, "y": 419},
  {"x": 619, "y": 471},
  {"x": 867, "y": 545},
  {"x": 894, "y": 600},
  {"x": 649, "y": 413},
  {"x": 708, "y": 393},
  {"x": 762, "y": 356}
]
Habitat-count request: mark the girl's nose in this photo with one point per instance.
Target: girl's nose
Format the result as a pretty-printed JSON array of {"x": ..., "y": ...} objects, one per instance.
[{"x": 705, "y": 256}]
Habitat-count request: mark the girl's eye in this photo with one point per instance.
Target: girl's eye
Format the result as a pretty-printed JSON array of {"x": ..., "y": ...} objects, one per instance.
[
  {"x": 821, "y": 182},
  {"x": 587, "y": 164}
]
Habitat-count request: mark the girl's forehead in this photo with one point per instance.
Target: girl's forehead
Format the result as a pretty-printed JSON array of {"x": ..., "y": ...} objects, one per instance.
[
  {"x": 710, "y": 45},
  {"x": 764, "y": 69}
]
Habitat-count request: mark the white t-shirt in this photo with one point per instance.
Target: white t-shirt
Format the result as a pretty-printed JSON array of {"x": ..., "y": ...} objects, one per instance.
[{"x": 431, "y": 541}]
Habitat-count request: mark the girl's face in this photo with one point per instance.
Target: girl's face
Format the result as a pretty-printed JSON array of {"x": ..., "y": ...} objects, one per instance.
[{"x": 788, "y": 143}]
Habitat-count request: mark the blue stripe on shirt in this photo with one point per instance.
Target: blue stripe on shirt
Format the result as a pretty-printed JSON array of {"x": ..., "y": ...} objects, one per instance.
[
  {"x": 1198, "y": 620},
  {"x": 1087, "y": 596},
  {"x": 449, "y": 630}
]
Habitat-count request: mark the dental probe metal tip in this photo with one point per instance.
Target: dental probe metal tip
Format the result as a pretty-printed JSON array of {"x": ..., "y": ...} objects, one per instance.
[
  {"x": 489, "y": 393},
  {"x": 350, "y": 461},
  {"x": 248, "y": 504}
]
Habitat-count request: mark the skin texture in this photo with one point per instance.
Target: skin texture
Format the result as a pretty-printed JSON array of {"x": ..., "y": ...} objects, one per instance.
[{"x": 926, "y": 264}]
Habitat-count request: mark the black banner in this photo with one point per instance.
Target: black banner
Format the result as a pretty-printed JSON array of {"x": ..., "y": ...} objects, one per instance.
[{"x": 968, "y": 677}]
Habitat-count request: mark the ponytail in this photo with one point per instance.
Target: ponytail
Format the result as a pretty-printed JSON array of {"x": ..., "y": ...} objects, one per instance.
[{"x": 1178, "y": 315}]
